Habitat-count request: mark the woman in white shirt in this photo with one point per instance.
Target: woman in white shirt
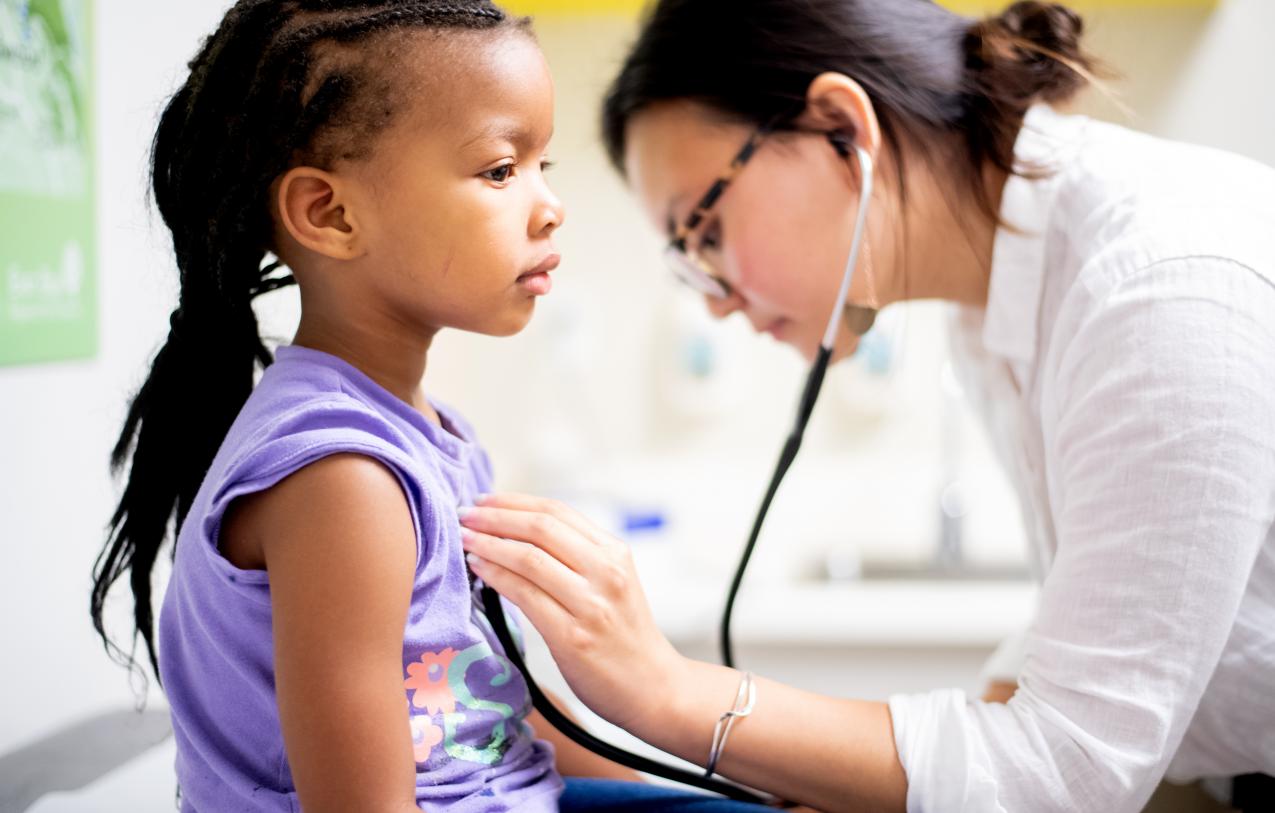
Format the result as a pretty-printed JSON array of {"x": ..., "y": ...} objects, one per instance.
[{"x": 1116, "y": 324}]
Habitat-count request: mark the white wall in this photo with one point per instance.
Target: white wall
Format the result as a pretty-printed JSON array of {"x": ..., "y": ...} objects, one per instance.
[
  {"x": 1195, "y": 75},
  {"x": 1191, "y": 77},
  {"x": 58, "y": 421}
]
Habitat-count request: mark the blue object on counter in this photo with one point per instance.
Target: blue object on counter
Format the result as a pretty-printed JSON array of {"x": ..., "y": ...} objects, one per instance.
[{"x": 642, "y": 521}]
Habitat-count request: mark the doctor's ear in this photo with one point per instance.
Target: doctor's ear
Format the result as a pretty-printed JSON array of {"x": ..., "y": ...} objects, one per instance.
[
  {"x": 837, "y": 104},
  {"x": 313, "y": 209}
]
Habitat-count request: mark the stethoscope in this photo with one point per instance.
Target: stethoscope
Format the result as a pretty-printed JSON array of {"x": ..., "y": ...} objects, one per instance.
[{"x": 810, "y": 393}]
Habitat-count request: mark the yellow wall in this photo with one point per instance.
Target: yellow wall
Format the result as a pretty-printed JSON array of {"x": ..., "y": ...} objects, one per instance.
[{"x": 545, "y": 7}]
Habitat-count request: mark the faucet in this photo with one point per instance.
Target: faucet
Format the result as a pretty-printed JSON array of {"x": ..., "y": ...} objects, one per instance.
[{"x": 949, "y": 554}]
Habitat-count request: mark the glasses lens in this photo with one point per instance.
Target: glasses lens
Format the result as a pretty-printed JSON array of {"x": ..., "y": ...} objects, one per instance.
[{"x": 693, "y": 271}]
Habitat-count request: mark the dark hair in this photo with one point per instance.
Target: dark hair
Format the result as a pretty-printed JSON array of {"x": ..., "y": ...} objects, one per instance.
[
  {"x": 279, "y": 82},
  {"x": 929, "y": 72}
]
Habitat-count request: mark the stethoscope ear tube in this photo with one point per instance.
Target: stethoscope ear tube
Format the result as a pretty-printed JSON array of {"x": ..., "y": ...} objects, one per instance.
[{"x": 496, "y": 615}]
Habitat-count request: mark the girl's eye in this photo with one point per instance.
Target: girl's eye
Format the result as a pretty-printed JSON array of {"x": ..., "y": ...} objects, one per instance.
[{"x": 500, "y": 174}]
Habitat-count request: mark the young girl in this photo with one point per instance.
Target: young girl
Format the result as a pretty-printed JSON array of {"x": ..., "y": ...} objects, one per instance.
[{"x": 319, "y": 642}]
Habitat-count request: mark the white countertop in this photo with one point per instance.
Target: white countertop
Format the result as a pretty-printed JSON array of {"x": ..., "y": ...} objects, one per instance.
[{"x": 905, "y": 613}]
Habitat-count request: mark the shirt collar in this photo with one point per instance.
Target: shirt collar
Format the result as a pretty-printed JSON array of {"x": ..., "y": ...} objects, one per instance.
[{"x": 1011, "y": 322}]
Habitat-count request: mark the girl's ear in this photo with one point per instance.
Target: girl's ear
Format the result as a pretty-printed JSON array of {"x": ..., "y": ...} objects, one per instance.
[
  {"x": 312, "y": 208},
  {"x": 837, "y": 103}
]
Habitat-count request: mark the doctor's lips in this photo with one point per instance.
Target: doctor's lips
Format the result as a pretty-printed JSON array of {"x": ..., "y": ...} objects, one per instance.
[{"x": 536, "y": 281}]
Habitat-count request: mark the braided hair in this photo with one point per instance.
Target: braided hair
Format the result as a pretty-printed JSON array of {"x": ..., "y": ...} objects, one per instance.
[{"x": 278, "y": 82}]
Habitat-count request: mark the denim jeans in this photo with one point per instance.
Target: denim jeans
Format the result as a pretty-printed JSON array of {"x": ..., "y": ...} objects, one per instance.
[{"x": 596, "y": 795}]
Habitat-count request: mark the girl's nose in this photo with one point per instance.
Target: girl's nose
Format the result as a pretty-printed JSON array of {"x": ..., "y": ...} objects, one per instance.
[{"x": 548, "y": 216}]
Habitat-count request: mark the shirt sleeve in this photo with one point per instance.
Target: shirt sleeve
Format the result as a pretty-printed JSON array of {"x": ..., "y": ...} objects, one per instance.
[
  {"x": 1161, "y": 475},
  {"x": 300, "y": 438}
]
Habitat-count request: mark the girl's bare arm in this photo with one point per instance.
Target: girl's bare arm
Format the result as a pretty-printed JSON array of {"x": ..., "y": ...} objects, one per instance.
[{"x": 338, "y": 541}]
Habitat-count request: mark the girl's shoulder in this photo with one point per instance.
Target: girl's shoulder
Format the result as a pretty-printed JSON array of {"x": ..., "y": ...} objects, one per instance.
[
  {"x": 299, "y": 413},
  {"x": 308, "y": 393},
  {"x": 309, "y": 406}
]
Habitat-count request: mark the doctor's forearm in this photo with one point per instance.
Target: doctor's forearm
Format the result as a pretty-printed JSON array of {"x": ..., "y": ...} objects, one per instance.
[{"x": 828, "y": 753}]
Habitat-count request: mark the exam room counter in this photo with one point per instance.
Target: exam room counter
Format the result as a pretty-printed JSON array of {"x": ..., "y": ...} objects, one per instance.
[{"x": 863, "y": 639}]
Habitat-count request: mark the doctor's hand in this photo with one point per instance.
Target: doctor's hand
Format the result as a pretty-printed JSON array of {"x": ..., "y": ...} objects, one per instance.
[{"x": 579, "y": 587}]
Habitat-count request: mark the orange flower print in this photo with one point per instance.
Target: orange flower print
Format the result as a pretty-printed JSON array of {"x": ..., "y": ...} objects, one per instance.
[
  {"x": 429, "y": 680},
  {"x": 425, "y": 735}
]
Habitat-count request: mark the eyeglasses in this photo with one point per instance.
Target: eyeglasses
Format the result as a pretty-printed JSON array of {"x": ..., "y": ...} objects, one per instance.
[{"x": 687, "y": 264}]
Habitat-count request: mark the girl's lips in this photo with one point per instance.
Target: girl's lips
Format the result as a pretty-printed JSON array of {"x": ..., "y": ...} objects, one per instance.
[
  {"x": 546, "y": 265},
  {"x": 536, "y": 284},
  {"x": 775, "y": 328},
  {"x": 536, "y": 281}
]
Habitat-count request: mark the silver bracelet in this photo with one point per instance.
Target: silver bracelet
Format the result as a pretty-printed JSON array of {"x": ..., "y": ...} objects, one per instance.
[{"x": 745, "y": 699}]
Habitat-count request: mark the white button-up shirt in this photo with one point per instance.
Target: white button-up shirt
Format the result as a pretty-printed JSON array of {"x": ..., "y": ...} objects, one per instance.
[{"x": 1125, "y": 366}]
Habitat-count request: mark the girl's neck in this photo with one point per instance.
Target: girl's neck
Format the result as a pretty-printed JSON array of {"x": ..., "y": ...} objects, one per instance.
[{"x": 395, "y": 359}]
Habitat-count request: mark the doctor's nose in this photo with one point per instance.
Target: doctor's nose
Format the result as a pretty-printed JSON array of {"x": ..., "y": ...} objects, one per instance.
[{"x": 721, "y": 308}]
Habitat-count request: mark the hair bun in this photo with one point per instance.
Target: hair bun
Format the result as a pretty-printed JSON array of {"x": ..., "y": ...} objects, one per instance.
[
  {"x": 1049, "y": 25},
  {"x": 1030, "y": 51}
]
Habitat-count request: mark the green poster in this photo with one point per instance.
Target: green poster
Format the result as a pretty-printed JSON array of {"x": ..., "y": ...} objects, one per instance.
[{"x": 48, "y": 291}]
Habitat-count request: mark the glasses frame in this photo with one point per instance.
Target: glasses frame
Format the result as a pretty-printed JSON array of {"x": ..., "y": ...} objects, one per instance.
[{"x": 685, "y": 262}]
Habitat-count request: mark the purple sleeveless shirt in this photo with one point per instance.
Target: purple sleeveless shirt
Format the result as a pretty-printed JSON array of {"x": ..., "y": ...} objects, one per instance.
[{"x": 465, "y": 702}]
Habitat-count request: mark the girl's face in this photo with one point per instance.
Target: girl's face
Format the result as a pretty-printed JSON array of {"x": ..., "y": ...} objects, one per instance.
[
  {"x": 781, "y": 233},
  {"x": 457, "y": 219}
]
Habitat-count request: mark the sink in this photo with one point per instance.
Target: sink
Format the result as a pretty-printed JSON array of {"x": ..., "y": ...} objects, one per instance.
[
  {"x": 844, "y": 565},
  {"x": 930, "y": 572}
]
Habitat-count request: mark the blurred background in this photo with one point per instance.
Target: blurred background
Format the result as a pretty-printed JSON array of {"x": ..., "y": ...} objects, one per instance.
[{"x": 894, "y": 558}]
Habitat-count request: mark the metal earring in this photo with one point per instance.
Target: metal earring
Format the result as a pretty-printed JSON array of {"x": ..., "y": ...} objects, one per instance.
[{"x": 861, "y": 318}]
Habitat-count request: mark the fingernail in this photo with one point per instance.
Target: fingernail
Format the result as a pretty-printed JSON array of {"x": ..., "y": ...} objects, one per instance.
[
  {"x": 481, "y": 498},
  {"x": 466, "y": 536},
  {"x": 474, "y": 561},
  {"x": 464, "y": 511}
]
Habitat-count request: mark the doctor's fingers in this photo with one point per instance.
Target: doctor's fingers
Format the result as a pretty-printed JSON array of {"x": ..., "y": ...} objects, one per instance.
[
  {"x": 535, "y": 567},
  {"x": 554, "y": 508},
  {"x": 558, "y": 538},
  {"x": 549, "y": 617}
]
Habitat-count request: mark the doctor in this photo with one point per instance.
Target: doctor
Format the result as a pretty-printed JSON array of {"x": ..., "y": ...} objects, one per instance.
[{"x": 1115, "y": 321}]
